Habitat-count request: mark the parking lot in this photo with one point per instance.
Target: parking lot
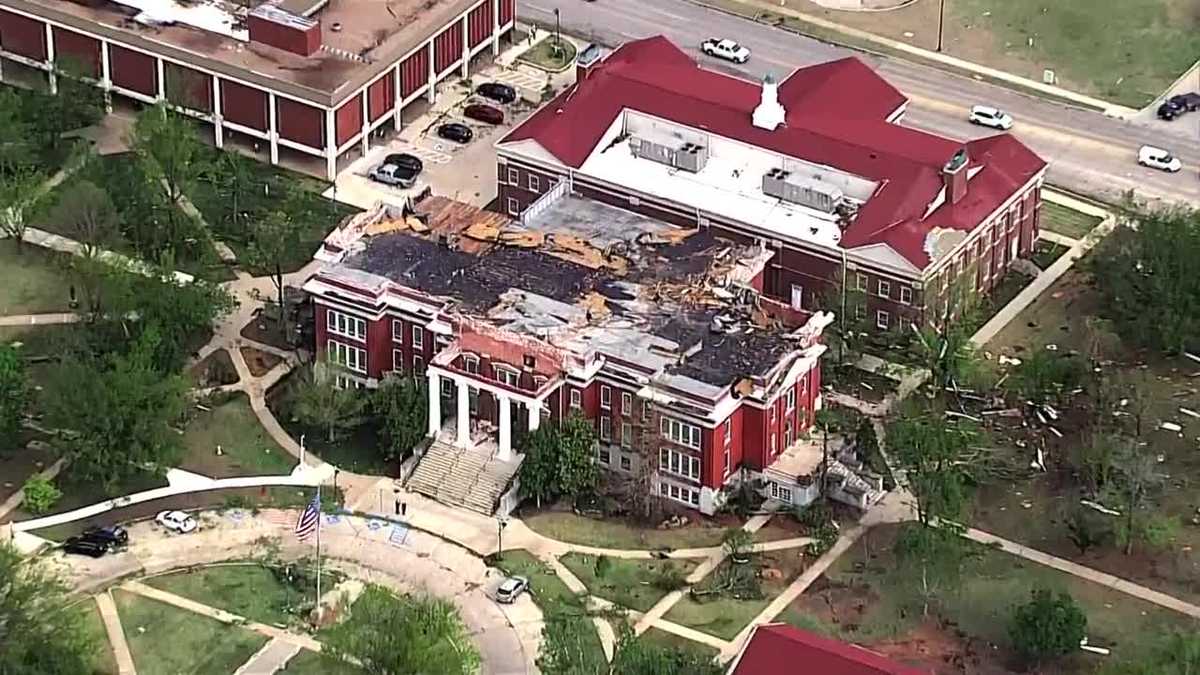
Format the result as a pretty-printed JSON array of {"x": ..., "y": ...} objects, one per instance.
[{"x": 466, "y": 172}]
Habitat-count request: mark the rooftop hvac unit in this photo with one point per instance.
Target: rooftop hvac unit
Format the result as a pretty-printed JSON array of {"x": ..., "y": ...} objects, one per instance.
[
  {"x": 808, "y": 191},
  {"x": 691, "y": 157},
  {"x": 686, "y": 156}
]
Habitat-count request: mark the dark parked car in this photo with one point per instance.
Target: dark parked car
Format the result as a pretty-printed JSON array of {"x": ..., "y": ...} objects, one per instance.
[
  {"x": 1189, "y": 102},
  {"x": 454, "y": 131},
  {"x": 497, "y": 91},
  {"x": 484, "y": 113},
  {"x": 113, "y": 537},
  {"x": 406, "y": 161},
  {"x": 1167, "y": 111},
  {"x": 81, "y": 546}
]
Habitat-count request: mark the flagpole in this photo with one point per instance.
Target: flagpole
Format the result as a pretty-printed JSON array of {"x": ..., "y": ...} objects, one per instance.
[{"x": 318, "y": 555}]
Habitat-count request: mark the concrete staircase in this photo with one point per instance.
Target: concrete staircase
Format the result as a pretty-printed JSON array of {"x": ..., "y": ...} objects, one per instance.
[
  {"x": 466, "y": 478},
  {"x": 851, "y": 483}
]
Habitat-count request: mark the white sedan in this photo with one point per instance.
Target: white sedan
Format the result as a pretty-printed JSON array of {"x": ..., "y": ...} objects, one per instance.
[
  {"x": 177, "y": 521},
  {"x": 725, "y": 49},
  {"x": 986, "y": 116}
]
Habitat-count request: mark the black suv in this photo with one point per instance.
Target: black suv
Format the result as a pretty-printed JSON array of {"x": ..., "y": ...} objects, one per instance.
[
  {"x": 1178, "y": 105},
  {"x": 81, "y": 546},
  {"x": 456, "y": 131},
  {"x": 497, "y": 91},
  {"x": 113, "y": 537},
  {"x": 405, "y": 161}
]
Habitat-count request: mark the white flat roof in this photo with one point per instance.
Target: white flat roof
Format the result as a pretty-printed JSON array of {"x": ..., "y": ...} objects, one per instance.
[{"x": 213, "y": 16}]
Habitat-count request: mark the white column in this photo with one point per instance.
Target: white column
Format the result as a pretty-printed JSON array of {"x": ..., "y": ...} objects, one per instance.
[
  {"x": 463, "y": 436},
  {"x": 495, "y": 28},
  {"x": 430, "y": 94},
  {"x": 505, "y": 428},
  {"x": 52, "y": 76},
  {"x": 435, "y": 403},
  {"x": 366, "y": 123},
  {"x": 218, "y": 128},
  {"x": 330, "y": 146},
  {"x": 535, "y": 415},
  {"x": 466, "y": 55},
  {"x": 160, "y": 75},
  {"x": 272, "y": 128},
  {"x": 396, "y": 89},
  {"x": 106, "y": 75}
]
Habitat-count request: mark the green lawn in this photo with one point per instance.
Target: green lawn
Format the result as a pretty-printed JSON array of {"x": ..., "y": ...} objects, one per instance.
[
  {"x": 168, "y": 640},
  {"x": 627, "y": 582},
  {"x": 1068, "y": 222},
  {"x": 247, "y": 449},
  {"x": 1046, "y": 253},
  {"x": 248, "y": 590},
  {"x": 725, "y": 616},
  {"x": 103, "y": 661},
  {"x": 544, "y": 585},
  {"x": 32, "y": 280},
  {"x": 615, "y": 533},
  {"x": 672, "y": 641},
  {"x": 313, "y": 663},
  {"x": 550, "y": 54}
]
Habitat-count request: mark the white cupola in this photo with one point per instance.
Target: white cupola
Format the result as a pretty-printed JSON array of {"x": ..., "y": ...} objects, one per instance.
[{"x": 769, "y": 114}]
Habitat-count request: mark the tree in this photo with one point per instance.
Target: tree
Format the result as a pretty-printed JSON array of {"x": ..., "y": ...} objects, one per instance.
[
  {"x": 42, "y": 631},
  {"x": 40, "y": 495},
  {"x": 559, "y": 460},
  {"x": 21, "y": 197},
  {"x": 90, "y": 218},
  {"x": 569, "y": 644},
  {"x": 944, "y": 346},
  {"x": 1044, "y": 375},
  {"x": 939, "y": 553},
  {"x": 636, "y": 656},
  {"x": 322, "y": 404},
  {"x": 1137, "y": 476},
  {"x": 14, "y": 395},
  {"x": 1145, "y": 279},
  {"x": 77, "y": 104},
  {"x": 121, "y": 409},
  {"x": 388, "y": 634},
  {"x": 539, "y": 468},
  {"x": 1048, "y": 626},
  {"x": 16, "y": 149},
  {"x": 936, "y": 453},
  {"x": 737, "y": 542},
  {"x": 849, "y": 306},
  {"x": 273, "y": 240},
  {"x": 826, "y": 420},
  {"x": 403, "y": 403},
  {"x": 169, "y": 154}
]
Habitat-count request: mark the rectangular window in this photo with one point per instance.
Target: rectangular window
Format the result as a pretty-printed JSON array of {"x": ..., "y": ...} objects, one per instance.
[
  {"x": 775, "y": 443},
  {"x": 678, "y": 463},
  {"x": 538, "y": 383},
  {"x": 418, "y": 364},
  {"x": 681, "y": 432},
  {"x": 605, "y": 428},
  {"x": 418, "y": 337},
  {"x": 576, "y": 398},
  {"x": 881, "y": 320},
  {"x": 514, "y": 207},
  {"x": 346, "y": 326},
  {"x": 728, "y": 465},
  {"x": 605, "y": 396},
  {"x": 398, "y": 331},
  {"x": 534, "y": 183},
  {"x": 529, "y": 361},
  {"x": 626, "y": 403},
  {"x": 344, "y": 382},
  {"x": 626, "y": 463},
  {"x": 471, "y": 364},
  {"x": 781, "y": 493},
  {"x": 645, "y": 411},
  {"x": 398, "y": 360},
  {"x": 509, "y": 377},
  {"x": 906, "y": 295},
  {"x": 605, "y": 455},
  {"x": 885, "y": 289},
  {"x": 447, "y": 387},
  {"x": 351, "y": 358},
  {"x": 626, "y": 435},
  {"x": 514, "y": 177},
  {"x": 789, "y": 399},
  {"x": 860, "y": 282},
  {"x": 728, "y": 433},
  {"x": 787, "y": 434},
  {"x": 860, "y": 312}
]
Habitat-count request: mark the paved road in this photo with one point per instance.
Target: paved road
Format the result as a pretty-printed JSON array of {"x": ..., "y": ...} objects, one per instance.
[{"x": 1087, "y": 151}]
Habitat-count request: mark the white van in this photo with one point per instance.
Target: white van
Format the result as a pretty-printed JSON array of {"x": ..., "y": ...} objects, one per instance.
[{"x": 1157, "y": 158}]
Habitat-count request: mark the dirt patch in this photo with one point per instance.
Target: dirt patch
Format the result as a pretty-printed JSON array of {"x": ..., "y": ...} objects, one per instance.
[
  {"x": 266, "y": 329},
  {"x": 17, "y": 466},
  {"x": 215, "y": 370},
  {"x": 259, "y": 362}
]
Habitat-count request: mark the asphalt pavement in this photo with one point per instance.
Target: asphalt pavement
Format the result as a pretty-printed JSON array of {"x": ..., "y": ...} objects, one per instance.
[{"x": 1088, "y": 152}]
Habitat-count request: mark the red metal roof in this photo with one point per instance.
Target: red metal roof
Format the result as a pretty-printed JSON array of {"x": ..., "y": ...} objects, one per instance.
[
  {"x": 836, "y": 115},
  {"x": 780, "y": 649}
]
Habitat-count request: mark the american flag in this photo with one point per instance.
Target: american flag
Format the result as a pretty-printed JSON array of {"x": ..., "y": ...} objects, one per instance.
[{"x": 309, "y": 519}]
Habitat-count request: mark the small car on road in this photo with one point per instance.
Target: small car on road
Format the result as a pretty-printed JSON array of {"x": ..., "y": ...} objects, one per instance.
[
  {"x": 1158, "y": 158},
  {"x": 1178, "y": 105},
  {"x": 400, "y": 169},
  {"x": 484, "y": 113},
  {"x": 510, "y": 589},
  {"x": 405, "y": 160},
  {"x": 987, "y": 116},
  {"x": 456, "y": 131},
  {"x": 113, "y": 537},
  {"x": 497, "y": 91},
  {"x": 177, "y": 521},
  {"x": 81, "y": 546},
  {"x": 725, "y": 49}
]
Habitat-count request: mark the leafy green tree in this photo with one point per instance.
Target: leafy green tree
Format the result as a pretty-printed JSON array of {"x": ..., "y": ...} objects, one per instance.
[
  {"x": 77, "y": 104},
  {"x": 939, "y": 554},
  {"x": 1137, "y": 477},
  {"x": 1144, "y": 274},
  {"x": 1048, "y": 626},
  {"x": 388, "y": 634},
  {"x": 121, "y": 409},
  {"x": 569, "y": 644},
  {"x": 559, "y": 460},
  {"x": 538, "y": 470},
  {"x": 21, "y": 199},
  {"x": 737, "y": 542},
  {"x": 849, "y": 307},
  {"x": 935, "y": 452},
  {"x": 42, "y": 630},
  {"x": 16, "y": 149},
  {"x": 273, "y": 240},
  {"x": 40, "y": 495},
  {"x": 89, "y": 217},
  {"x": 14, "y": 395},
  {"x": 403, "y": 403},
  {"x": 637, "y": 656},
  {"x": 320, "y": 403},
  {"x": 170, "y": 155},
  {"x": 826, "y": 421},
  {"x": 944, "y": 346}
]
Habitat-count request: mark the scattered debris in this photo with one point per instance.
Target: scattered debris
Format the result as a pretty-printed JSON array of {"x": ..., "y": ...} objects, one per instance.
[
  {"x": 1192, "y": 357},
  {"x": 1170, "y": 426},
  {"x": 1083, "y": 644},
  {"x": 1099, "y": 507},
  {"x": 1009, "y": 361},
  {"x": 1190, "y": 413}
]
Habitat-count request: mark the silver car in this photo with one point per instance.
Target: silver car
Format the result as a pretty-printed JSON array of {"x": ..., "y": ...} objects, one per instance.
[
  {"x": 511, "y": 589},
  {"x": 393, "y": 174}
]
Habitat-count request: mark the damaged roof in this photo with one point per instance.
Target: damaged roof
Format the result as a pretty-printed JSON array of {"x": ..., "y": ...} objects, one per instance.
[{"x": 673, "y": 302}]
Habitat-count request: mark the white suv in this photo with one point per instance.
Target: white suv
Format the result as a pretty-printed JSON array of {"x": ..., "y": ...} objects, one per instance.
[
  {"x": 725, "y": 49},
  {"x": 986, "y": 116},
  {"x": 1157, "y": 158},
  {"x": 176, "y": 521}
]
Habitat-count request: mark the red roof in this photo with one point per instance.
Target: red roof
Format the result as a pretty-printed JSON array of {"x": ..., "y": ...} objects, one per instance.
[
  {"x": 836, "y": 115},
  {"x": 780, "y": 649}
]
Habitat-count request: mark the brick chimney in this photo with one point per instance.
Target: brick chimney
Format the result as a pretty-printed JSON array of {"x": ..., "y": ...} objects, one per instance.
[
  {"x": 587, "y": 61},
  {"x": 954, "y": 176}
]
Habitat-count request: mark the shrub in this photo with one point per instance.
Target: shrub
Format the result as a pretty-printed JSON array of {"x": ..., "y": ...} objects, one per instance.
[
  {"x": 603, "y": 565},
  {"x": 669, "y": 577},
  {"x": 40, "y": 495},
  {"x": 737, "y": 543},
  {"x": 1048, "y": 626},
  {"x": 815, "y": 515},
  {"x": 826, "y": 536}
]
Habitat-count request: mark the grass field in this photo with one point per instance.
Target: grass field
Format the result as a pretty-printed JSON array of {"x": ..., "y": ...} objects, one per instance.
[
  {"x": 166, "y": 639},
  {"x": 103, "y": 662},
  {"x": 672, "y": 641},
  {"x": 248, "y": 590},
  {"x": 725, "y": 616},
  {"x": 312, "y": 663},
  {"x": 1069, "y": 222},
  {"x": 32, "y": 280},
  {"x": 615, "y": 533},
  {"x": 247, "y": 449},
  {"x": 628, "y": 582}
]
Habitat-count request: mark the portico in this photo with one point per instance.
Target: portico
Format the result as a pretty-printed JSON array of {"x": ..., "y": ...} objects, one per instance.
[{"x": 463, "y": 386}]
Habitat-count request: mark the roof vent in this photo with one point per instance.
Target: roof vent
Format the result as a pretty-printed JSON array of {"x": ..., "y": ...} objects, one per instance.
[{"x": 769, "y": 114}]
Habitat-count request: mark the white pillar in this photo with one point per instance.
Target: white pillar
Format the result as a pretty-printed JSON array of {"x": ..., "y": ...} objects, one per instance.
[
  {"x": 435, "y": 403},
  {"x": 430, "y": 94},
  {"x": 466, "y": 54},
  {"x": 399, "y": 98},
  {"x": 330, "y": 146},
  {"x": 505, "y": 428},
  {"x": 366, "y": 123},
  {"x": 106, "y": 75},
  {"x": 495, "y": 28},
  {"x": 160, "y": 75},
  {"x": 463, "y": 436},
  {"x": 218, "y": 128},
  {"x": 535, "y": 415},
  {"x": 52, "y": 76},
  {"x": 272, "y": 128}
]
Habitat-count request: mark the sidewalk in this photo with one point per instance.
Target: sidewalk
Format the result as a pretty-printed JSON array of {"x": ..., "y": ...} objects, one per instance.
[
  {"x": 39, "y": 319},
  {"x": 116, "y": 634}
]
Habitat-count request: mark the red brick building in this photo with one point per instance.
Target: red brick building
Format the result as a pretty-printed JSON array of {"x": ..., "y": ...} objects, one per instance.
[
  {"x": 780, "y": 649},
  {"x": 309, "y": 77},
  {"x": 657, "y": 335},
  {"x": 815, "y": 167}
]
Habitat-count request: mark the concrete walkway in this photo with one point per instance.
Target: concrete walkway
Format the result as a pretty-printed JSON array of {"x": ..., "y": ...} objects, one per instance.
[
  {"x": 116, "y": 634},
  {"x": 39, "y": 319},
  {"x": 62, "y": 244},
  {"x": 1056, "y": 238},
  {"x": 272, "y": 657}
]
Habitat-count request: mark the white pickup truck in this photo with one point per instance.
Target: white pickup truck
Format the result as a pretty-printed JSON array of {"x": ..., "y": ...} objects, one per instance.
[{"x": 725, "y": 49}]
